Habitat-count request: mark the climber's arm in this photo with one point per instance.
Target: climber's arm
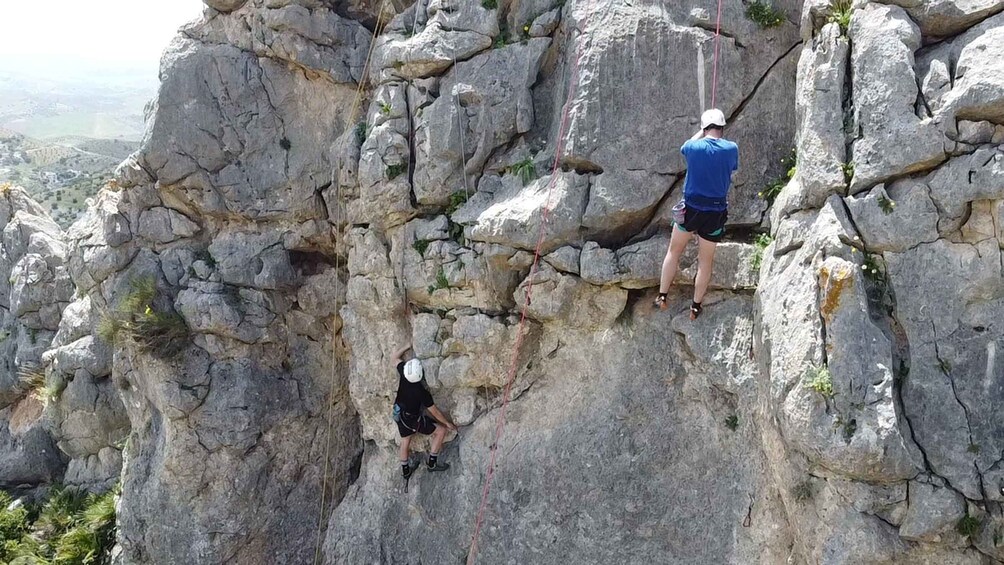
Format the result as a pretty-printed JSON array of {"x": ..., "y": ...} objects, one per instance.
[
  {"x": 399, "y": 355},
  {"x": 698, "y": 135},
  {"x": 439, "y": 416}
]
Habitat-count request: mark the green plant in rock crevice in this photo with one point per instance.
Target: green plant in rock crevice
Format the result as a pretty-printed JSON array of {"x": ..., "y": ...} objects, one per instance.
[
  {"x": 886, "y": 205},
  {"x": 840, "y": 14},
  {"x": 441, "y": 281},
  {"x": 760, "y": 244},
  {"x": 968, "y": 525},
  {"x": 394, "y": 171},
  {"x": 152, "y": 328},
  {"x": 820, "y": 380},
  {"x": 457, "y": 199},
  {"x": 848, "y": 170},
  {"x": 872, "y": 269},
  {"x": 802, "y": 491},
  {"x": 732, "y": 422},
  {"x": 764, "y": 14},
  {"x": 790, "y": 164},
  {"x": 361, "y": 132},
  {"x": 525, "y": 169},
  {"x": 421, "y": 245}
]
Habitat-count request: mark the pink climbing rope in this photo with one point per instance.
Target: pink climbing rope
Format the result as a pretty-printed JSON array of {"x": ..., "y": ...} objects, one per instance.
[
  {"x": 714, "y": 72},
  {"x": 513, "y": 365},
  {"x": 545, "y": 214}
]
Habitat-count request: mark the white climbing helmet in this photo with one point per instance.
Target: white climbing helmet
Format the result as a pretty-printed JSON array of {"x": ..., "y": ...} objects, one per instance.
[
  {"x": 713, "y": 117},
  {"x": 413, "y": 370}
]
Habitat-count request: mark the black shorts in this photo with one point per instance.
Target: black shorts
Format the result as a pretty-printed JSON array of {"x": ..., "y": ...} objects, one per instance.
[
  {"x": 424, "y": 425},
  {"x": 710, "y": 226}
]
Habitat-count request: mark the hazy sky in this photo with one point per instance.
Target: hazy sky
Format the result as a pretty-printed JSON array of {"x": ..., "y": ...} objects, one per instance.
[{"x": 97, "y": 31}]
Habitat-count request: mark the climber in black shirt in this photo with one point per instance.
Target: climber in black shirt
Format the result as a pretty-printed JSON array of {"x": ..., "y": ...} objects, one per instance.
[{"x": 410, "y": 405}]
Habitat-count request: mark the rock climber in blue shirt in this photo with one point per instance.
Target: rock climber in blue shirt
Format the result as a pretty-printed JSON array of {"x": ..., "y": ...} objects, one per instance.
[{"x": 711, "y": 160}]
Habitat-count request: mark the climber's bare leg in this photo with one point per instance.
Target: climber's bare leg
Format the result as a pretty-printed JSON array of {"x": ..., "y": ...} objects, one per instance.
[
  {"x": 705, "y": 264},
  {"x": 677, "y": 245},
  {"x": 438, "y": 437},
  {"x": 405, "y": 448}
]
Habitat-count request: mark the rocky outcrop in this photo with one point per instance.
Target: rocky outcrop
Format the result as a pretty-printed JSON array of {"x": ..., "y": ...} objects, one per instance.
[
  {"x": 34, "y": 289},
  {"x": 219, "y": 325}
]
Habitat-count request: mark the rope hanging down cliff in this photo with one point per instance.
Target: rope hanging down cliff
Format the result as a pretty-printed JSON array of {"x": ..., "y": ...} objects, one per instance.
[
  {"x": 545, "y": 213},
  {"x": 377, "y": 29}
]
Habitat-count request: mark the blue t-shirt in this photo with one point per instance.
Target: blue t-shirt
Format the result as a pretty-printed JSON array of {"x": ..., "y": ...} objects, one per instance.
[{"x": 710, "y": 163}]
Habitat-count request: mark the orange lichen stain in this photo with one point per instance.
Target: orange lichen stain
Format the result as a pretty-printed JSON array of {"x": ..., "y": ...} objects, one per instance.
[{"x": 833, "y": 282}]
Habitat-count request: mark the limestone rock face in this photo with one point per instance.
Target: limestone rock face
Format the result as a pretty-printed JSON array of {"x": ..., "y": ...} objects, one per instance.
[
  {"x": 34, "y": 290},
  {"x": 217, "y": 331}
]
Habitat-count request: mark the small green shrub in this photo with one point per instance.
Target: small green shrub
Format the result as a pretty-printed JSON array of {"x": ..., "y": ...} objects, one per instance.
[
  {"x": 802, "y": 491},
  {"x": 136, "y": 318},
  {"x": 872, "y": 268},
  {"x": 489, "y": 4},
  {"x": 764, "y": 14},
  {"x": 903, "y": 372},
  {"x": 285, "y": 144},
  {"x": 840, "y": 14},
  {"x": 849, "y": 428},
  {"x": 31, "y": 378},
  {"x": 886, "y": 205},
  {"x": 973, "y": 448},
  {"x": 500, "y": 39},
  {"x": 968, "y": 525},
  {"x": 13, "y": 525},
  {"x": 820, "y": 381},
  {"x": 394, "y": 171},
  {"x": 361, "y": 132},
  {"x": 790, "y": 164},
  {"x": 441, "y": 280},
  {"x": 457, "y": 199},
  {"x": 456, "y": 232},
  {"x": 848, "y": 169},
  {"x": 69, "y": 528},
  {"x": 944, "y": 366},
  {"x": 760, "y": 244},
  {"x": 525, "y": 170},
  {"x": 421, "y": 245},
  {"x": 732, "y": 422},
  {"x": 385, "y": 108}
]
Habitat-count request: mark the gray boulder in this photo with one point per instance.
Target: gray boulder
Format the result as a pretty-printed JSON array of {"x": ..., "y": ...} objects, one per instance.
[{"x": 884, "y": 90}]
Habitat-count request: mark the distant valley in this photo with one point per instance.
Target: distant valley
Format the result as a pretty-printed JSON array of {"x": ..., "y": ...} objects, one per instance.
[{"x": 65, "y": 125}]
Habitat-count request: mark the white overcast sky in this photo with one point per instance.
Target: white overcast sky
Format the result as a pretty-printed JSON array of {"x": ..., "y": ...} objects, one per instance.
[{"x": 96, "y": 31}]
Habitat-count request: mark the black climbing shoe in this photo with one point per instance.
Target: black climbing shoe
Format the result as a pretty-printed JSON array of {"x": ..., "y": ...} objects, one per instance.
[
  {"x": 437, "y": 466},
  {"x": 695, "y": 310},
  {"x": 660, "y": 302},
  {"x": 409, "y": 470}
]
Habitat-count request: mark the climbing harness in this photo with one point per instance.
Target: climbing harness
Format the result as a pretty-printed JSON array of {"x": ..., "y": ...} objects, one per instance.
[{"x": 377, "y": 30}]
